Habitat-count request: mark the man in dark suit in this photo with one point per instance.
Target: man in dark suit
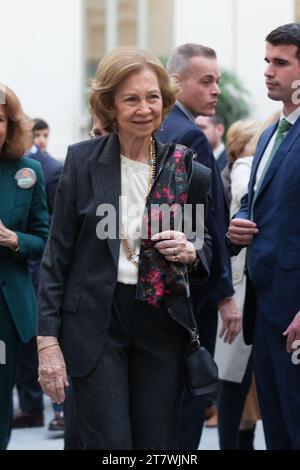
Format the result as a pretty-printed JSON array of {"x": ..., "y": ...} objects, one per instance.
[
  {"x": 30, "y": 393},
  {"x": 268, "y": 223},
  {"x": 213, "y": 127},
  {"x": 195, "y": 70}
]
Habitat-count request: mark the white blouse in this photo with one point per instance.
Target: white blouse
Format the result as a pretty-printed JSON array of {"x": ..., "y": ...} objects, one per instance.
[{"x": 134, "y": 189}]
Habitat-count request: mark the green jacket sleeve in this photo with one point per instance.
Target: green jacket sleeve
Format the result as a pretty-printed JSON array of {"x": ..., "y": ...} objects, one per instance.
[{"x": 32, "y": 242}]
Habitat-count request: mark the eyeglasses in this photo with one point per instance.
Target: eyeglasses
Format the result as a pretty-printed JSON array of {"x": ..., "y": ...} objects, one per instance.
[{"x": 95, "y": 133}]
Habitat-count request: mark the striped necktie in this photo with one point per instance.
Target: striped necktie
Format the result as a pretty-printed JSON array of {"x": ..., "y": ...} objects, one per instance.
[{"x": 283, "y": 128}]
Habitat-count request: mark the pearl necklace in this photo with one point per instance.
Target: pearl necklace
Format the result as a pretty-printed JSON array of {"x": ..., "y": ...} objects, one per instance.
[{"x": 131, "y": 256}]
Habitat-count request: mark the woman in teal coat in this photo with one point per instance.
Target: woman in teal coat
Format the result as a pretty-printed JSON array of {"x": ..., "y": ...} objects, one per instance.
[{"x": 23, "y": 234}]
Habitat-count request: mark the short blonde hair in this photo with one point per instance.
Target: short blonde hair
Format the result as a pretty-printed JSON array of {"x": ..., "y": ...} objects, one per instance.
[
  {"x": 237, "y": 137},
  {"x": 274, "y": 117},
  {"x": 19, "y": 136},
  {"x": 113, "y": 69}
]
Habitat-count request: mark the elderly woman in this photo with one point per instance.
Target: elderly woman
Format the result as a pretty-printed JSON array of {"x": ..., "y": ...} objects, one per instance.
[
  {"x": 23, "y": 234},
  {"x": 113, "y": 290}
]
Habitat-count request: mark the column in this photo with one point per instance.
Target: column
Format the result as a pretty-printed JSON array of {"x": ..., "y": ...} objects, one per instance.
[
  {"x": 111, "y": 24},
  {"x": 143, "y": 10}
]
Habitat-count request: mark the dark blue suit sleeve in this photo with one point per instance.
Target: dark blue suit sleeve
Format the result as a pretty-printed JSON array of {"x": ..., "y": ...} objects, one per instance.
[
  {"x": 197, "y": 141},
  {"x": 243, "y": 212},
  {"x": 52, "y": 186},
  {"x": 217, "y": 222},
  {"x": 177, "y": 128}
]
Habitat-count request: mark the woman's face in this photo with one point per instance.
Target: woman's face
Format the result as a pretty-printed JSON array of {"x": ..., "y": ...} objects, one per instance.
[
  {"x": 138, "y": 104},
  {"x": 3, "y": 126}
]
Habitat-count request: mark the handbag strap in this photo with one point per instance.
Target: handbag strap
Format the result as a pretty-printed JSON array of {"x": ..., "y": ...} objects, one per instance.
[{"x": 194, "y": 332}]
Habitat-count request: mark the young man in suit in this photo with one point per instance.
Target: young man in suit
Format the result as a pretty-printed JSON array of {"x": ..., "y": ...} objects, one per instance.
[
  {"x": 268, "y": 223},
  {"x": 196, "y": 71},
  {"x": 213, "y": 127}
]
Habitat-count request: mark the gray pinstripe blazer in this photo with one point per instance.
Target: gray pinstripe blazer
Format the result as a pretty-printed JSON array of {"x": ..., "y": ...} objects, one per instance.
[{"x": 79, "y": 271}]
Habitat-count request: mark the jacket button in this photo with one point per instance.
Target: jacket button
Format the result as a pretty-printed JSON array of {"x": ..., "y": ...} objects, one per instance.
[{"x": 170, "y": 310}]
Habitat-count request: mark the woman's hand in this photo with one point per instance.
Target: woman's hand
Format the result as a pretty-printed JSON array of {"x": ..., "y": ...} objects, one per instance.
[
  {"x": 175, "y": 247},
  {"x": 8, "y": 237},
  {"x": 52, "y": 368}
]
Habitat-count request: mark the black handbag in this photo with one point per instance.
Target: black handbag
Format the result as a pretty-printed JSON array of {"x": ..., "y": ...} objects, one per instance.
[{"x": 201, "y": 371}]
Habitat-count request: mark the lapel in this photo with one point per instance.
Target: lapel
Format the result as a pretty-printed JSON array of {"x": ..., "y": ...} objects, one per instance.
[
  {"x": 105, "y": 174},
  {"x": 180, "y": 113},
  {"x": 280, "y": 155},
  {"x": 159, "y": 147},
  {"x": 170, "y": 123},
  {"x": 8, "y": 187},
  {"x": 265, "y": 138}
]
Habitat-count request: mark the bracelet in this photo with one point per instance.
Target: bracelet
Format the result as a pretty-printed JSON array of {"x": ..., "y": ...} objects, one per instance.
[{"x": 46, "y": 347}]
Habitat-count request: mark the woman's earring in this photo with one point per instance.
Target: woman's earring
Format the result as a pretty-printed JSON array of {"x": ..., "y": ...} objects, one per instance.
[{"x": 161, "y": 127}]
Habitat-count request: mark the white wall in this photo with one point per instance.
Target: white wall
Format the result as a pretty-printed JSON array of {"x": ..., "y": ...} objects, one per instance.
[
  {"x": 42, "y": 45},
  {"x": 236, "y": 29},
  {"x": 41, "y": 60}
]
